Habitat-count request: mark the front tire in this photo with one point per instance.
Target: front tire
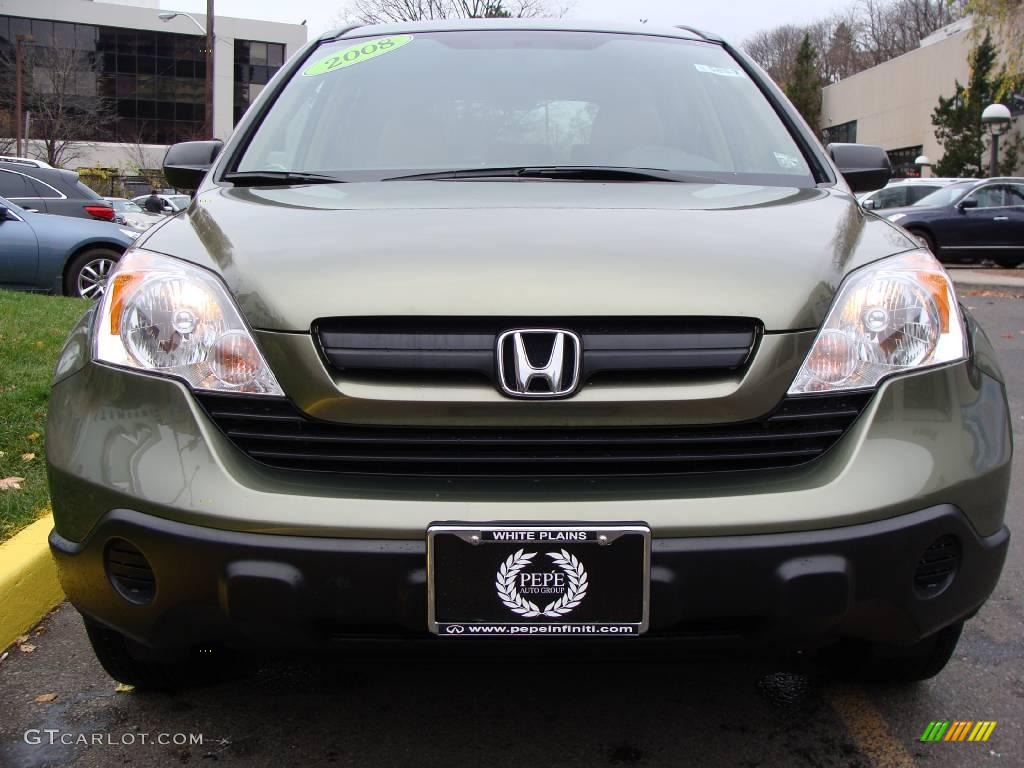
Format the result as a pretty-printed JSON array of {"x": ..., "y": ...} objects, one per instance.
[
  {"x": 127, "y": 662},
  {"x": 87, "y": 273},
  {"x": 878, "y": 663}
]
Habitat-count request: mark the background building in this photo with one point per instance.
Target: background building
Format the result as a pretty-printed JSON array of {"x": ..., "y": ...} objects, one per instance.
[
  {"x": 148, "y": 74},
  {"x": 891, "y": 104}
]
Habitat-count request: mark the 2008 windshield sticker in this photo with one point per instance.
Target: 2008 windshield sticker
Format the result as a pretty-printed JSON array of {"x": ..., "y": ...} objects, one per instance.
[
  {"x": 356, "y": 54},
  {"x": 723, "y": 71}
]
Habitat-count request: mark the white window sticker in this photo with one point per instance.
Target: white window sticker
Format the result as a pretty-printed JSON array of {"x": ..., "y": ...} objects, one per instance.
[
  {"x": 786, "y": 161},
  {"x": 723, "y": 71}
]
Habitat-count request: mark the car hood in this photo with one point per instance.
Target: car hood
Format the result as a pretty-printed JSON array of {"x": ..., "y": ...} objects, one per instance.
[{"x": 291, "y": 255}]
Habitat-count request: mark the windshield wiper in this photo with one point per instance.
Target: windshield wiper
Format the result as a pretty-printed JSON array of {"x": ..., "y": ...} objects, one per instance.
[
  {"x": 569, "y": 172},
  {"x": 270, "y": 178}
]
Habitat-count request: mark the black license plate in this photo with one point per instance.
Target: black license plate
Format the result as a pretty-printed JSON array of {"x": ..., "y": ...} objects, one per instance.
[{"x": 538, "y": 580}]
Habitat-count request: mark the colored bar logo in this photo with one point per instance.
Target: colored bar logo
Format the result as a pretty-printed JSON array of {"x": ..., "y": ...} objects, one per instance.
[{"x": 958, "y": 730}]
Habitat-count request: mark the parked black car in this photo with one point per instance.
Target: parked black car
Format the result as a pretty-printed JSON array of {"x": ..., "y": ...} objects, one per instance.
[
  {"x": 969, "y": 221},
  {"x": 51, "y": 190}
]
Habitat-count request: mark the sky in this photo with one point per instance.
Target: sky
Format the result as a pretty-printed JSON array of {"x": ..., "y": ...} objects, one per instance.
[{"x": 734, "y": 19}]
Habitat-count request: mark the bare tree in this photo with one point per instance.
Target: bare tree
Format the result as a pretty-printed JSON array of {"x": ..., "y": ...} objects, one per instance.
[
  {"x": 65, "y": 103},
  {"x": 867, "y": 33},
  {"x": 775, "y": 50},
  {"x": 843, "y": 55},
  {"x": 895, "y": 27},
  {"x": 143, "y": 158},
  {"x": 383, "y": 11},
  {"x": 6, "y": 132}
]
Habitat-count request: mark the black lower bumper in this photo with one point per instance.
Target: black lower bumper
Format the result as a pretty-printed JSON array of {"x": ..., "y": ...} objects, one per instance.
[{"x": 806, "y": 588}]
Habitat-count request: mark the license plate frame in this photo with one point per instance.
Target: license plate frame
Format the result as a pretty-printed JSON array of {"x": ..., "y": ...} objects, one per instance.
[{"x": 527, "y": 579}]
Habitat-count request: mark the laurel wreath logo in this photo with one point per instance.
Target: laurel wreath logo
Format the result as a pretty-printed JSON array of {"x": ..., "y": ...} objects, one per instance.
[{"x": 575, "y": 573}]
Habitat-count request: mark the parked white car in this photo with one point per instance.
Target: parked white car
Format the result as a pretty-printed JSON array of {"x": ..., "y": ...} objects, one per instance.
[
  {"x": 172, "y": 203},
  {"x": 902, "y": 192},
  {"x": 135, "y": 217}
]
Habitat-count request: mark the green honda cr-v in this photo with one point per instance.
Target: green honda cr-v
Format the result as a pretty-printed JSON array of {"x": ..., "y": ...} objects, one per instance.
[{"x": 503, "y": 329}]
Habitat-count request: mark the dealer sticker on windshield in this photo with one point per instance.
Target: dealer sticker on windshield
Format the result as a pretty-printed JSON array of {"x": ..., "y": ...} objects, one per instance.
[
  {"x": 356, "y": 54},
  {"x": 723, "y": 71}
]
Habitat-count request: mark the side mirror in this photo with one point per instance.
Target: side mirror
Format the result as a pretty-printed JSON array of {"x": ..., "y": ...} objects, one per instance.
[
  {"x": 865, "y": 167},
  {"x": 968, "y": 204},
  {"x": 186, "y": 164}
]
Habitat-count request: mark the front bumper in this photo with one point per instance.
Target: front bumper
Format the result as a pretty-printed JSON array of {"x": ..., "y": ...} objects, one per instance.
[
  {"x": 243, "y": 552},
  {"x": 805, "y": 588}
]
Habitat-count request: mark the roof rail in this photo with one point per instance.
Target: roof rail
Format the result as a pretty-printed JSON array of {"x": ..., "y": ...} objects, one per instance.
[
  {"x": 334, "y": 34},
  {"x": 700, "y": 33}
]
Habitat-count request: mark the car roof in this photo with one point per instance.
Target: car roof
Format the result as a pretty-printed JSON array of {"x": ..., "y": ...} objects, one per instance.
[
  {"x": 929, "y": 180},
  {"x": 25, "y": 161},
  {"x": 47, "y": 173},
  {"x": 545, "y": 25}
]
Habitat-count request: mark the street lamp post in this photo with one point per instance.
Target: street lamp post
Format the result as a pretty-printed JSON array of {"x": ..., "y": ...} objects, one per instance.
[
  {"x": 209, "y": 69},
  {"x": 18, "y": 117},
  {"x": 996, "y": 119},
  {"x": 208, "y": 32}
]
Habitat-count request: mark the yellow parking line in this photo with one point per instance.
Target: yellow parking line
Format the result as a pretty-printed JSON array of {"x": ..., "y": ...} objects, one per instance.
[{"x": 868, "y": 728}]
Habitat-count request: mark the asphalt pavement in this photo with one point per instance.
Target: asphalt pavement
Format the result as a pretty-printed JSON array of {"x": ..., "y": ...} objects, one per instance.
[{"x": 390, "y": 707}]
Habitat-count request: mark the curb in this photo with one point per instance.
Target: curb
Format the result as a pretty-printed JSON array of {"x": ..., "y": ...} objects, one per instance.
[
  {"x": 28, "y": 580},
  {"x": 1017, "y": 291}
]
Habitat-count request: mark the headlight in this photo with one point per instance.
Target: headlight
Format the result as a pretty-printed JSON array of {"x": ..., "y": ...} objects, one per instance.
[
  {"x": 896, "y": 217},
  {"x": 892, "y": 316},
  {"x": 170, "y": 317}
]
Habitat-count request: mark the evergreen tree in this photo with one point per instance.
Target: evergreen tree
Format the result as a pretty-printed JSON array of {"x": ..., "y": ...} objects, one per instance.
[
  {"x": 804, "y": 87},
  {"x": 957, "y": 120}
]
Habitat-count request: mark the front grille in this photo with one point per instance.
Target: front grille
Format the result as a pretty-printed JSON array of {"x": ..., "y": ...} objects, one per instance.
[
  {"x": 274, "y": 432},
  {"x": 466, "y": 345}
]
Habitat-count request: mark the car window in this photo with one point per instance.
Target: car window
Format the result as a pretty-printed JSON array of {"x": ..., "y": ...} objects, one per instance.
[
  {"x": 917, "y": 192},
  {"x": 945, "y": 196},
  {"x": 13, "y": 185},
  {"x": 86, "y": 191},
  {"x": 130, "y": 207},
  {"x": 990, "y": 196},
  {"x": 180, "y": 202},
  {"x": 44, "y": 190},
  {"x": 463, "y": 100},
  {"x": 1015, "y": 194},
  {"x": 890, "y": 197}
]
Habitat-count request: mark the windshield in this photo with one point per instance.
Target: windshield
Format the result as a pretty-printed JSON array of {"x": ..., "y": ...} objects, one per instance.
[
  {"x": 125, "y": 206},
  {"x": 945, "y": 196},
  {"x": 372, "y": 108}
]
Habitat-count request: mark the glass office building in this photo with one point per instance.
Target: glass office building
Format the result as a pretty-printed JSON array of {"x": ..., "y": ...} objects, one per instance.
[{"x": 149, "y": 85}]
